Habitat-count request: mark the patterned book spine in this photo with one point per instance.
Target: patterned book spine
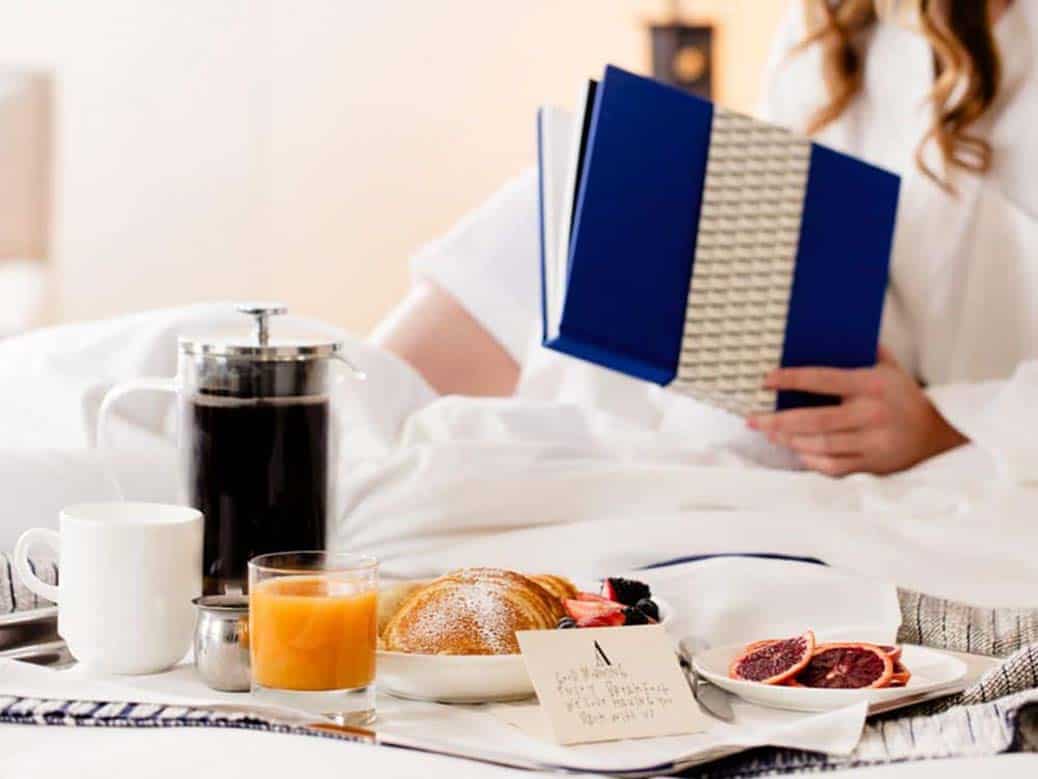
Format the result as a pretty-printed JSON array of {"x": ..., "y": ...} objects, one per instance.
[{"x": 742, "y": 275}]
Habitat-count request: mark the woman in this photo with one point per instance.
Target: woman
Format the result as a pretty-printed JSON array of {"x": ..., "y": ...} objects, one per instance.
[{"x": 936, "y": 90}]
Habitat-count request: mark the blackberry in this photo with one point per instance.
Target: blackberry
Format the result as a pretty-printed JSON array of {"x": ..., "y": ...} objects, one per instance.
[
  {"x": 649, "y": 608},
  {"x": 633, "y": 616}
]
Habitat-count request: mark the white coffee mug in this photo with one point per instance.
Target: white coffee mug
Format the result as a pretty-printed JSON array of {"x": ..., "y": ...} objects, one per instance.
[{"x": 127, "y": 573}]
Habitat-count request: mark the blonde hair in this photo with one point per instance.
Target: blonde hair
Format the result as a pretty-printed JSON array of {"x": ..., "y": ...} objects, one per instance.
[{"x": 967, "y": 69}]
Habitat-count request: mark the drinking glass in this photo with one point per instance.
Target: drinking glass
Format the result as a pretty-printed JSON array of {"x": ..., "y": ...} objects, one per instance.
[{"x": 312, "y": 632}]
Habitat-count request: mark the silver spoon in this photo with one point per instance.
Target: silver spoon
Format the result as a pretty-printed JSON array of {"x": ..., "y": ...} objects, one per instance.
[{"x": 719, "y": 706}]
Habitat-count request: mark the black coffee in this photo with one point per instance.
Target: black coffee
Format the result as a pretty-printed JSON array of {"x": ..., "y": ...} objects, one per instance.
[{"x": 258, "y": 471}]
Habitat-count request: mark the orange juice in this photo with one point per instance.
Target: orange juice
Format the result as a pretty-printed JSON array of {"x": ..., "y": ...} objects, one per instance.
[{"x": 311, "y": 633}]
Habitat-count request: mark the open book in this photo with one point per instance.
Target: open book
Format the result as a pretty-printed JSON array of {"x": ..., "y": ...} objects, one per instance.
[{"x": 697, "y": 248}]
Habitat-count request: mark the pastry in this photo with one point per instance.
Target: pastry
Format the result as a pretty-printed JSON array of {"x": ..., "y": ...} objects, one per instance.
[
  {"x": 475, "y": 611},
  {"x": 559, "y": 586},
  {"x": 391, "y": 596}
]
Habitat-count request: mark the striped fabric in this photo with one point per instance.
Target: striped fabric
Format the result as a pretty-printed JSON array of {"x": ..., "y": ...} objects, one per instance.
[
  {"x": 947, "y": 625},
  {"x": 15, "y": 596},
  {"x": 101, "y": 714}
]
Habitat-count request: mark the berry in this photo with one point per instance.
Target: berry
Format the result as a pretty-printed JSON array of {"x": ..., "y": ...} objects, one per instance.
[
  {"x": 594, "y": 613},
  {"x": 566, "y": 622},
  {"x": 616, "y": 619},
  {"x": 648, "y": 607},
  {"x": 633, "y": 616},
  {"x": 625, "y": 591},
  {"x": 590, "y": 596}
]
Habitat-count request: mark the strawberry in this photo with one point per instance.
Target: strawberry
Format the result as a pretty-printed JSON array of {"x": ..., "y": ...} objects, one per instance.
[
  {"x": 590, "y": 596},
  {"x": 588, "y": 613},
  {"x": 614, "y": 620}
]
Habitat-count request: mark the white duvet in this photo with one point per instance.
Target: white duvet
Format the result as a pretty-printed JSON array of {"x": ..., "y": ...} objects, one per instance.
[{"x": 427, "y": 483}]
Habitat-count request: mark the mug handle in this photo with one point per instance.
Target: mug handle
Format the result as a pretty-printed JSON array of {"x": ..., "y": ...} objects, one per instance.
[
  {"x": 108, "y": 403},
  {"x": 21, "y": 561}
]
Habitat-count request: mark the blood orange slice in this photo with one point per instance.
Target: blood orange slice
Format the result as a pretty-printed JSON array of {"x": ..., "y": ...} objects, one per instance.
[
  {"x": 893, "y": 651},
  {"x": 847, "y": 667},
  {"x": 773, "y": 661},
  {"x": 900, "y": 676},
  {"x": 759, "y": 644}
]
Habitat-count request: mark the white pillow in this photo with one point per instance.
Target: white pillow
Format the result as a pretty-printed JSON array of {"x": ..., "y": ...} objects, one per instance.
[
  {"x": 37, "y": 483},
  {"x": 62, "y": 373},
  {"x": 24, "y": 295},
  {"x": 52, "y": 382}
]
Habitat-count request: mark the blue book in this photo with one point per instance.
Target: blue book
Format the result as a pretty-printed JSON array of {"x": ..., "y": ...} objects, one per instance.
[{"x": 696, "y": 248}]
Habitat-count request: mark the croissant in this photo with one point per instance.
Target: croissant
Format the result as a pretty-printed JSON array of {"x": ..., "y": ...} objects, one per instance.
[
  {"x": 559, "y": 586},
  {"x": 475, "y": 611}
]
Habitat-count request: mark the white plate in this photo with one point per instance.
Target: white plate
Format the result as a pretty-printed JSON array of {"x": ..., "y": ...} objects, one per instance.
[
  {"x": 931, "y": 671},
  {"x": 461, "y": 678}
]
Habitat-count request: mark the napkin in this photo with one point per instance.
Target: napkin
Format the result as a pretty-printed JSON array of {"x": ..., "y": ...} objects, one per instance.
[{"x": 735, "y": 600}]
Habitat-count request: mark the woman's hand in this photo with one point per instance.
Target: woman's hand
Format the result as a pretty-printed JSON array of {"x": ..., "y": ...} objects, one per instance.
[{"x": 885, "y": 422}]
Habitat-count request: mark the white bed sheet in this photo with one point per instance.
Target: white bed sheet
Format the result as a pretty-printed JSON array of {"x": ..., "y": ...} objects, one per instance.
[{"x": 427, "y": 483}]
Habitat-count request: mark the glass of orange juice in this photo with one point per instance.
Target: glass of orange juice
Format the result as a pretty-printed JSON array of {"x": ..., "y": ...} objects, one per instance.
[{"x": 312, "y": 632}]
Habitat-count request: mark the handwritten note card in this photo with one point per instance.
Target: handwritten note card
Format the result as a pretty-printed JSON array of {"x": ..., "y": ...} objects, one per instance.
[{"x": 603, "y": 684}]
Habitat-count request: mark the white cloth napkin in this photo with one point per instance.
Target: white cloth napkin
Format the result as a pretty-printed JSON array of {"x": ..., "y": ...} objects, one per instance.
[{"x": 730, "y": 600}]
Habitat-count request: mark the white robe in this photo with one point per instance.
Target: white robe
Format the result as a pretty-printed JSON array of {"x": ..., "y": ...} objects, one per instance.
[{"x": 962, "y": 309}]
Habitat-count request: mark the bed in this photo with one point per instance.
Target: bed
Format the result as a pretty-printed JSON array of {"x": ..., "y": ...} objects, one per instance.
[{"x": 433, "y": 483}]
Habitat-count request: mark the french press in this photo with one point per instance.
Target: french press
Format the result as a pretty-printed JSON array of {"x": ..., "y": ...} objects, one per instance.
[{"x": 257, "y": 438}]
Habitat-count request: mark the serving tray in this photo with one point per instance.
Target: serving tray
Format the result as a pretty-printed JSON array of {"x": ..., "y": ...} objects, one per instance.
[
  {"x": 32, "y": 636},
  {"x": 33, "y": 626}
]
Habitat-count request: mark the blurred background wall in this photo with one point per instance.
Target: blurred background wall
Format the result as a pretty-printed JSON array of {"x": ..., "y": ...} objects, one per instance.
[{"x": 302, "y": 150}]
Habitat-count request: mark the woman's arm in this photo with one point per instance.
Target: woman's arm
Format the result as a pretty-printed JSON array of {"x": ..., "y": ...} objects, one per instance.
[
  {"x": 443, "y": 342},
  {"x": 470, "y": 315}
]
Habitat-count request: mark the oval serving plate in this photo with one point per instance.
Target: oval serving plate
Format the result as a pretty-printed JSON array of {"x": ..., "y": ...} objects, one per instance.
[
  {"x": 462, "y": 678},
  {"x": 931, "y": 671}
]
